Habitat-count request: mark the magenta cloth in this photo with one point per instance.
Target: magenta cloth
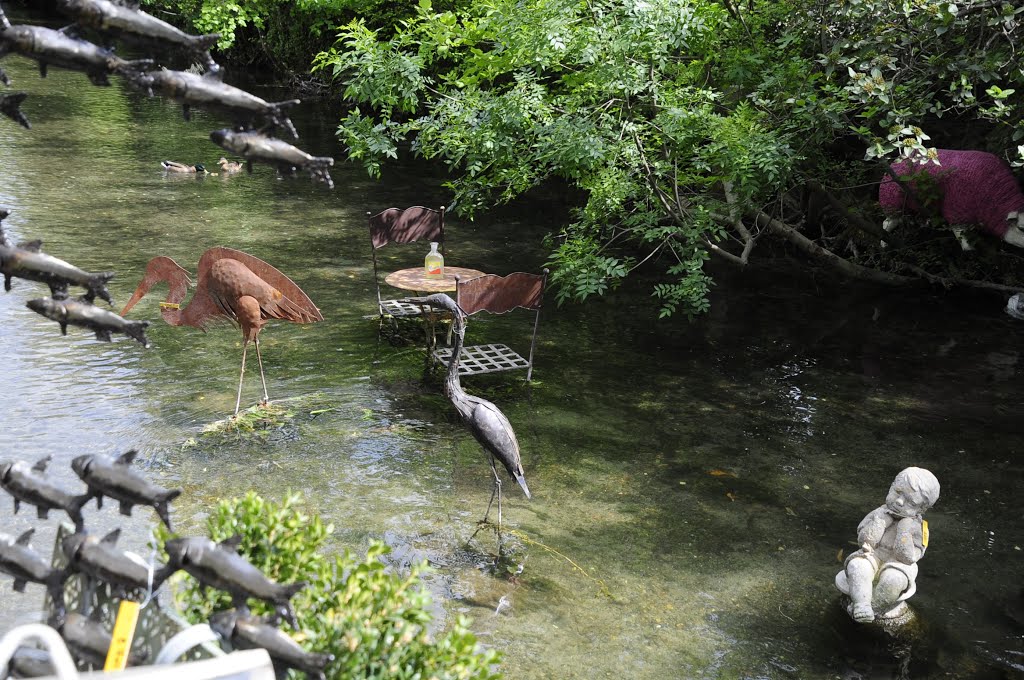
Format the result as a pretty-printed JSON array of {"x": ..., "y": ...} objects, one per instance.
[{"x": 977, "y": 188}]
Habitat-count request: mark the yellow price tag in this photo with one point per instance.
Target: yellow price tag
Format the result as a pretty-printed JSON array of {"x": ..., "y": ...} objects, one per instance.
[
  {"x": 924, "y": 533},
  {"x": 121, "y": 639}
]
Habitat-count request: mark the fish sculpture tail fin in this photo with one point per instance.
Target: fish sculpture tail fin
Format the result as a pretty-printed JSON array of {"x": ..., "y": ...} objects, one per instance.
[
  {"x": 162, "y": 574},
  {"x": 74, "y": 509},
  {"x": 203, "y": 43},
  {"x": 55, "y": 589},
  {"x": 277, "y": 116},
  {"x": 320, "y": 660},
  {"x": 9, "y": 106},
  {"x": 140, "y": 80},
  {"x": 132, "y": 70},
  {"x": 318, "y": 166},
  {"x": 161, "y": 505},
  {"x": 137, "y": 330},
  {"x": 96, "y": 286},
  {"x": 289, "y": 589}
]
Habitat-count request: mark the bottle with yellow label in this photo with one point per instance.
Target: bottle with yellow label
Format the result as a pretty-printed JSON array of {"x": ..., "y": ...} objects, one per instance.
[{"x": 433, "y": 263}]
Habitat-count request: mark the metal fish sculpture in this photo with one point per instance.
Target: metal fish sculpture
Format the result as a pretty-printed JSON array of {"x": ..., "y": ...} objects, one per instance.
[
  {"x": 30, "y": 662},
  {"x": 255, "y": 146},
  {"x": 29, "y": 484},
  {"x": 208, "y": 91},
  {"x": 54, "y": 48},
  {"x": 88, "y": 641},
  {"x": 86, "y": 315},
  {"x": 10, "y": 103},
  {"x": 116, "y": 478},
  {"x": 101, "y": 559},
  {"x": 138, "y": 28},
  {"x": 26, "y": 565},
  {"x": 27, "y": 261},
  {"x": 243, "y": 631},
  {"x": 218, "y": 565}
]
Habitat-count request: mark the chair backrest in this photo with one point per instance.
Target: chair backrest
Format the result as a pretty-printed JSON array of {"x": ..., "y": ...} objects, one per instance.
[
  {"x": 417, "y": 223},
  {"x": 501, "y": 294},
  {"x": 395, "y": 225}
]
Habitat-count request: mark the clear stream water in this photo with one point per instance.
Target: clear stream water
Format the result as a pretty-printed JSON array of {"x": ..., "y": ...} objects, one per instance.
[{"x": 705, "y": 477}]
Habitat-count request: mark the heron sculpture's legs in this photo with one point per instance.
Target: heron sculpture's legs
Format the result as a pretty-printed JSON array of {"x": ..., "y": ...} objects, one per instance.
[
  {"x": 266, "y": 397},
  {"x": 496, "y": 490},
  {"x": 238, "y": 401}
]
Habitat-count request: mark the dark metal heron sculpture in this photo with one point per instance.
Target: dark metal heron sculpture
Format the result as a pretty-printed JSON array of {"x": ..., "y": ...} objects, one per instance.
[{"x": 485, "y": 421}]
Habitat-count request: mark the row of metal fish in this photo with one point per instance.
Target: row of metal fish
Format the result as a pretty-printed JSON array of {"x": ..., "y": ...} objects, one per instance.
[
  {"x": 98, "y": 561},
  {"x": 255, "y": 119},
  {"x": 27, "y": 261},
  {"x": 126, "y": 575}
]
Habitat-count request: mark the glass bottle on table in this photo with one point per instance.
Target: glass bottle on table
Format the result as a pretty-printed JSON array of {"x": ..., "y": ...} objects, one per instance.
[{"x": 433, "y": 263}]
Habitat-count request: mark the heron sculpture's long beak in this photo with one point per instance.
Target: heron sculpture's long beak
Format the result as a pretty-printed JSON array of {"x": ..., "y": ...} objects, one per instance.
[
  {"x": 522, "y": 483},
  {"x": 139, "y": 293}
]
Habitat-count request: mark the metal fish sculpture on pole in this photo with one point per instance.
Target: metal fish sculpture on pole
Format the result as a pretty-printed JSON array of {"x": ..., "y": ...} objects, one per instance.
[
  {"x": 208, "y": 91},
  {"x": 116, "y": 478},
  {"x": 255, "y": 146},
  {"x": 27, "y": 261},
  {"x": 218, "y": 565},
  {"x": 102, "y": 560},
  {"x": 29, "y": 484},
  {"x": 26, "y": 565},
  {"x": 89, "y": 641},
  {"x": 243, "y": 631},
  {"x": 10, "y": 103},
  {"x": 139, "y": 28},
  {"x": 54, "y": 48},
  {"x": 86, "y": 315}
]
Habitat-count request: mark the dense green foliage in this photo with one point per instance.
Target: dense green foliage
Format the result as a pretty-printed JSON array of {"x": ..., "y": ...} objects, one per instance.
[
  {"x": 373, "y": 620},
  {"x": 690, "y": 126},
  {"x": 283, "y": 34}
]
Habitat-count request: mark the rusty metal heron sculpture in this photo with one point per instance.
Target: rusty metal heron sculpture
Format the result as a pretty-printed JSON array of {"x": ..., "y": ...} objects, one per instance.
[
  {"x": 231, "y": 285},
  {"x": 485, "y": 421}
]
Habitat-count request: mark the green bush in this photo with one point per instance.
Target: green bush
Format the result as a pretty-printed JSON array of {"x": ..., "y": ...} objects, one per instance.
[{"x": 373, "y": 620}]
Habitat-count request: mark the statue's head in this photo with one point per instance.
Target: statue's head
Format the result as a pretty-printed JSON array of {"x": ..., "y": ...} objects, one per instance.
[{"x": 912, "y": 492}]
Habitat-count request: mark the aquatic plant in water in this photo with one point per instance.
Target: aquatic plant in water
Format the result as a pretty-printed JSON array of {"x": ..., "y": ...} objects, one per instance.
[{"x": 373, "y": 620}]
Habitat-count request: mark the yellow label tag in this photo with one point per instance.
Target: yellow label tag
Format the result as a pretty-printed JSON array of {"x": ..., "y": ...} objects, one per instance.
[
  {"x": 121, "y": 639},
  {"x": 924, "y": 533},
  {"x": 170, "y": 305}
]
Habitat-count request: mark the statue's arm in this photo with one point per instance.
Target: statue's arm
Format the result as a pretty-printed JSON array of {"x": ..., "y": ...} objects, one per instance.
[
  {"x": 908, "y": 548},
  {"x": 871, "y": 528}
]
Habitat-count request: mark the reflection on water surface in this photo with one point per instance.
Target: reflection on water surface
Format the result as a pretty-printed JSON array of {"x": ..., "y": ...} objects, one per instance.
[{"x": 696, "y": 484}]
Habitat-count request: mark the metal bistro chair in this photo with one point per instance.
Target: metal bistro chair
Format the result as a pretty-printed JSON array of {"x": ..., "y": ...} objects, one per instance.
[
  {"x": 497, "y": 295},
  {"x": 395, "y": 225}
]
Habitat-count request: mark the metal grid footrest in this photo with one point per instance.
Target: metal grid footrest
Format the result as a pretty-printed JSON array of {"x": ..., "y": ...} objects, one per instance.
[
  {"x": 477, "y": 359},
  {"x": 396, "y": 308}
]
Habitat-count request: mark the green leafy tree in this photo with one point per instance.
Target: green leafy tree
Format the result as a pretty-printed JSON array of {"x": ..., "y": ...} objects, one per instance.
[
  {"x": 374, "y": 621},
  {"x": 283, "y": 34},
  {"x": 693, "y": 128}
]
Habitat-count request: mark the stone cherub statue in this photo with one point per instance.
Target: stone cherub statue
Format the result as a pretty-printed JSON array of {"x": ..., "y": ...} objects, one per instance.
[{"x": 881, "y": 575}]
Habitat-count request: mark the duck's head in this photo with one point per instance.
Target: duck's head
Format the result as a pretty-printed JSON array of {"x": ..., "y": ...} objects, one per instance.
[{"x": 200, "y": 167}]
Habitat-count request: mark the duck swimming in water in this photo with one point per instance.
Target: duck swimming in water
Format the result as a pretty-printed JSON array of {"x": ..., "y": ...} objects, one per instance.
[
  {"x": 230, "y": 167},
  {"x": 174, "y": 166}
]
